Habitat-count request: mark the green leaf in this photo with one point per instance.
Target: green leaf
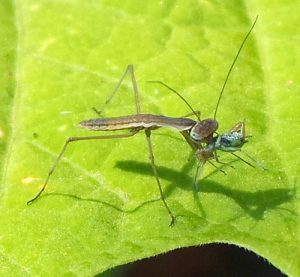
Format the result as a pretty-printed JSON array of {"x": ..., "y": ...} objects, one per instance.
[
  {"x": 7, "y": 67},
  {"x": 102, "y": 207}
]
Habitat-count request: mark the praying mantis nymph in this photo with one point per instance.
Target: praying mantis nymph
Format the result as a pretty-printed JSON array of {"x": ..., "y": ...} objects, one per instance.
[{"x": 199, "y": 134}]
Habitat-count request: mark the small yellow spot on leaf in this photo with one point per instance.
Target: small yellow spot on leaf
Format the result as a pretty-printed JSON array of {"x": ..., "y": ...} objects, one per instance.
[
  {"x": 65, "y": 112},
  {"x": 46, "y": 43},
  {"x": 29, "y": 180},
  {"x": 35, "y": 7},
  {"x": 62, "y": 128},
  {"x": 1, "y": 133}
]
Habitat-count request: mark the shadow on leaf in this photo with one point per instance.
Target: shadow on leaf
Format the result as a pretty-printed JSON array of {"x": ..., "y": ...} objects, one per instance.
[{"x": 253, "y": 203}]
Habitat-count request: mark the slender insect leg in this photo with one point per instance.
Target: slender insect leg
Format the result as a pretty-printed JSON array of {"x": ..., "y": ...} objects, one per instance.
[
  {"x": 186, "y": 136},
  {"x": 258, "y": 163},
  {"x": 129, "y": 70},
  {"x": 198, "y": 172},
  {"x": 199, "y": 169},
  {"x": 218, "y": 168},
  {"x": 197, "y": 175},
  {"x": 218, "y": 161},
  {"x": 151, "y": 157},
  {"x": 196, "y": 113},
  {"x": 240, "y": 158},
  {"x": 73, "y": 139},
  {"x": 201, "y": 161}
]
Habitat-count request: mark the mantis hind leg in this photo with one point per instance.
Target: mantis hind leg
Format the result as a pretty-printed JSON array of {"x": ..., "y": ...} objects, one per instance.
[
  {"x": 154, "y": 169},
  {"x": 65, "y": 146}
]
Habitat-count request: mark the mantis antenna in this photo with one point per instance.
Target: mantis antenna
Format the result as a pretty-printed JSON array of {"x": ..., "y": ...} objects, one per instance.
[
  {"x": 232, "y": 65},
  {"x": 179, "y": 95}
]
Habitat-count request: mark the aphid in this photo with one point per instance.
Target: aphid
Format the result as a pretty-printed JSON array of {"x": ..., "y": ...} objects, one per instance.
[{"x": 198, "y": 133}]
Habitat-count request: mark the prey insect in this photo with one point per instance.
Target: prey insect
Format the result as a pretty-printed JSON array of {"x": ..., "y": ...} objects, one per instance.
[{"x": 200, "y": 134}]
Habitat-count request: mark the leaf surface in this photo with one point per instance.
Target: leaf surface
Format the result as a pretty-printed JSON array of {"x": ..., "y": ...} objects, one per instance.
[{"x": 102, "y": 207}]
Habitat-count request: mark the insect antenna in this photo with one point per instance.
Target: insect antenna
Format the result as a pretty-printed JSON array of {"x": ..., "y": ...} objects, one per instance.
[
  {"x": 240, "y": 158},
  {"x": 258, "y": 163},
  {"x": 179, "y": 95},
  {"x": 232, "y": 65}
]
